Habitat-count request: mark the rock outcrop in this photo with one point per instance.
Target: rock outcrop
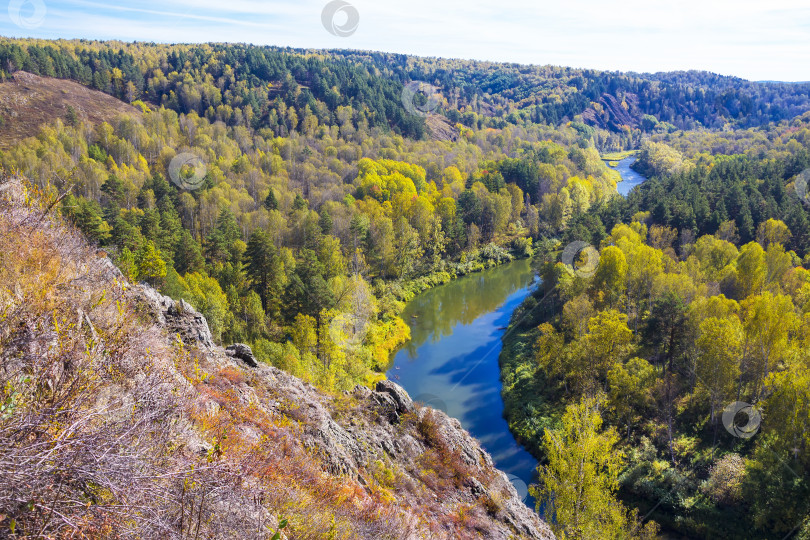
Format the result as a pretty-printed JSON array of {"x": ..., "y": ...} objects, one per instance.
[
  {"x": 177, "y": 317},
  {"x": 242, "y": 352},
  {"x": 368, "y": 433}
]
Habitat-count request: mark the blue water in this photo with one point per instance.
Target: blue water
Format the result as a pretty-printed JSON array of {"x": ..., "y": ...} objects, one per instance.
[
  {"x": 630, "y": 178},
  {"x": 451, "y": 362}
]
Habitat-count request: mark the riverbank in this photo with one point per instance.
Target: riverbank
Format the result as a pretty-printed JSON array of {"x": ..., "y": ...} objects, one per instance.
[
  {"x": 613, "y": 158},
  {"x": 490, "y": 256},
  {"x": 451, "y": 360}
]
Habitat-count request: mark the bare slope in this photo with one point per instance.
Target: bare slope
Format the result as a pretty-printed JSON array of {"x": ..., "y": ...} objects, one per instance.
[{"x": 29, "y": 101}]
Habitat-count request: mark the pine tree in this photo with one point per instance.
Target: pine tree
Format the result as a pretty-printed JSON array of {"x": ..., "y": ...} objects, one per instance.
[
  {"x": 188, "y": 254},
  {"x": 264, "y": 269},
  {"x": 270, "y": 202}
]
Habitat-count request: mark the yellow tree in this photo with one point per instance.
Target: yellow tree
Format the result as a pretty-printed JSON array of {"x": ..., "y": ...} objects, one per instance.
[
  {"x": 752, "y": 270},
  {"x": 772, "y": 231},
  {"x": 718, "y": 361},
  {"x": 611, "y": 274},
  {"x": 578, "y": 484},
  {"x": 768, "y": 320}
]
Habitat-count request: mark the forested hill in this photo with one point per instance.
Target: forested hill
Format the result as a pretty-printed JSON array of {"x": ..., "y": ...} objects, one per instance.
[
  {"x": 516, "y": 93},
  {"x": 256, "y": 85}
]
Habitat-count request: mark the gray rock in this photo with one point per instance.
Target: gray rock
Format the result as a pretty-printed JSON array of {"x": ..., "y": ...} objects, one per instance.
[
  {"x": 178, "y": 318},
  {"x": 400, "y": 397},
  {"x": 242, "y": 352}
]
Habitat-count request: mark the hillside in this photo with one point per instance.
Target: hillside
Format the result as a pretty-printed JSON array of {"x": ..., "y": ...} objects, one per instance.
[
  {"x": 28, "y": 101},
  {"x": 121, "y": 418},
  {"x": 257, "y": 86}
]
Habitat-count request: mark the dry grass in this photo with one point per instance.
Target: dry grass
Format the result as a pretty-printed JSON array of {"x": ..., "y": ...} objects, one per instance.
[
  {"x": 106, "y": 431},
  {"x": 30, "y": 101}
]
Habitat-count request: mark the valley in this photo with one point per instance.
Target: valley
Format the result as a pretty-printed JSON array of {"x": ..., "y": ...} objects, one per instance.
[{"x": 260, "y": 291}]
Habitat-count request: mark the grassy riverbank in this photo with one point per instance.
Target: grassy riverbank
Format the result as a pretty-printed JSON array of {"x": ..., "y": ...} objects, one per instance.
[{"x": 618, "y": 156}]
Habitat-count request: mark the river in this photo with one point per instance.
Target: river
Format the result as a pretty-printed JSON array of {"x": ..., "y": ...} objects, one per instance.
[
  {"x": 451, "y": 361},
  {"x": 630, "y": 178}
]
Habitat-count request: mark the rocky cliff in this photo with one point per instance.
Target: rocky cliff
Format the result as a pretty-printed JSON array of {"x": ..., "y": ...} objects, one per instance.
[{"x": 162, "y": 433}]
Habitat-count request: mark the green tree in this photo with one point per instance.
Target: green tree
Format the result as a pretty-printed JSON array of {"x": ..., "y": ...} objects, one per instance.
[
  {"x": 307, "y": 291},
  {"x": 264, "y": 268},
  {"x": 151, "y": 266},
  {"x": 188, "y": 254},
  {"x": 220, "y": 246},
  {"x": 578, "y": 484},
  {"x": 271, "y": 202}
]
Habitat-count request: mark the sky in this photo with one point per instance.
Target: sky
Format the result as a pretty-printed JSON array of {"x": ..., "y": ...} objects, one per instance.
[{"x": 752, "y": 39}]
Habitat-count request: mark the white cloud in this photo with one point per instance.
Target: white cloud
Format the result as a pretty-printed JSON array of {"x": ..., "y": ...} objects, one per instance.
[{"x": 747, "y": 38}]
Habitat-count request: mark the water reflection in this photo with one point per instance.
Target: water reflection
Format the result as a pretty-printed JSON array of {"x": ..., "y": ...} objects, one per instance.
[{"x": 452, "y": 358}]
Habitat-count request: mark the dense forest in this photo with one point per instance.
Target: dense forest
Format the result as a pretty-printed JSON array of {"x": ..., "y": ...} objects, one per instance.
[
  {"x": 696, "y": 300},
  {"x": 297, "y": 200},
  {"x": 514, "y": 94},
  {"x": 304, "y": 239},
  {"x": 257, "y": 86}
]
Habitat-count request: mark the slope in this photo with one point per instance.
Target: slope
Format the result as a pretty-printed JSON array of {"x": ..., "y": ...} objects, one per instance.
[
  {"x": 120, "y": 418},
  {"x": 28, "y": 101}
]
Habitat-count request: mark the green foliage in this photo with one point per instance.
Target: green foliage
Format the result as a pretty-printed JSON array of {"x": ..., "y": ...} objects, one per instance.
[
  {"x": 578, "y": 484},
  {"x": 673, "y": 355},
  {"x": 151, "y": 266}
]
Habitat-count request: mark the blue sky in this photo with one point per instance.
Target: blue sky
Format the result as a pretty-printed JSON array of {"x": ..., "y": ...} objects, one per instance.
[{"x": 757, "y": 40}]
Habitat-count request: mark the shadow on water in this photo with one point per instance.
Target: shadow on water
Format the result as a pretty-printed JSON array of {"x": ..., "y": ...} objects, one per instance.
[{"x": 451, "y": 361}]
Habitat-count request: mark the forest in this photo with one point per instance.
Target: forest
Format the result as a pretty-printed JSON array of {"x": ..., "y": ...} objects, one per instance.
[
  {"x": 698, "y": 301},
  {"x": 294, "y": 200},
  {"x": 305, "y": 238}
]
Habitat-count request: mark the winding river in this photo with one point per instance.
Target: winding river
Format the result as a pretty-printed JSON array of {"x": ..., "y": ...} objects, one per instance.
[
  {"x": 630, "y": 178},
  {"x": 451, "y": 361}
]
